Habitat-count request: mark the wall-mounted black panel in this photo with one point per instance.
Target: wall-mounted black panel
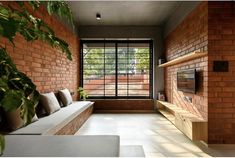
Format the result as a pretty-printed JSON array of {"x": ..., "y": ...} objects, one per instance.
[{"x": 220, "y": 66}]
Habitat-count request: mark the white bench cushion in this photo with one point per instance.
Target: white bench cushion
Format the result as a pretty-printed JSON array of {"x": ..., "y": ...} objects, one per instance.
[
  {"x": 62, "y": 146},
  {"x": 48, "y": 124}
]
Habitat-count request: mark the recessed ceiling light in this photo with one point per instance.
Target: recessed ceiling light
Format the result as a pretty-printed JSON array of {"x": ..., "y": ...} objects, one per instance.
[{"x": 98, "y": 16}]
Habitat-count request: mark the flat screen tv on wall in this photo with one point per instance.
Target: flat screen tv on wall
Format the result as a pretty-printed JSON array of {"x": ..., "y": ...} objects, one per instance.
[{"x": 186, "y": 81}]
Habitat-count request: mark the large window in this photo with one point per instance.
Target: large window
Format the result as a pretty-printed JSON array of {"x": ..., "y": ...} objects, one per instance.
[{"x": 117, "y": 69}]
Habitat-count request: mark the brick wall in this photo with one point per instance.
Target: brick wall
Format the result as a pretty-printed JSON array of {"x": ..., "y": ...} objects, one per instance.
[
  {"x": 190, "y": 35},
  {"x": 123, "y": 105},
  {"x": 48, "y": 68},
  {"x": 221, "y": 92},
  {"x": 209, "y": 26}
]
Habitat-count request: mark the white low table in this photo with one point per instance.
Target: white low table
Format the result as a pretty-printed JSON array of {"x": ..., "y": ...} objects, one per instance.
[{"x": 62, "y": 146}]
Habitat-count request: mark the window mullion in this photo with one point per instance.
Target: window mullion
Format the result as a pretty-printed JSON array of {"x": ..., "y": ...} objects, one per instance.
[
  {"x": 104, "y": 71},
  {"x": 116, "y": 71},
  {"x": 127, "y": 82}
]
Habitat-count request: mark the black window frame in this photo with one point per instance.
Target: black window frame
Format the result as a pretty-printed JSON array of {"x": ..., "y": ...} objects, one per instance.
[{"x": 150, "y": 42}]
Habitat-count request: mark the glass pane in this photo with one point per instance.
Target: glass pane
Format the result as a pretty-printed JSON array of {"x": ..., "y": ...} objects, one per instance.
[
  {"x": 139, "y": 62},
  {"x": 110, "y": 70},
  {"x": 122, "y": 69},
  {"x": 133, "y": 69},
  {"x": 93, "y": 69}
]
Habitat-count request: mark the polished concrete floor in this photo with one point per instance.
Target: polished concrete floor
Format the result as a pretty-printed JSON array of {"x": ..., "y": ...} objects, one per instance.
[{"x": 156, "y": 134}]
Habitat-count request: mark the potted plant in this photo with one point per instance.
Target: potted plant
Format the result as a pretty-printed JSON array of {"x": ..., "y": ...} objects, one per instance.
[{"x": 82, "y": 93}]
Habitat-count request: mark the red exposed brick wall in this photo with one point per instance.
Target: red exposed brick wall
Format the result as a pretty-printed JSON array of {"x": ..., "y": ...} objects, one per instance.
[
  {"x": 212, "y": 23},
  {"x": 49, "y": 69},
  {"x": 124, "y": 105},
  {"x": 190, "y": 35},
  {"x": 221, "y": 92}
]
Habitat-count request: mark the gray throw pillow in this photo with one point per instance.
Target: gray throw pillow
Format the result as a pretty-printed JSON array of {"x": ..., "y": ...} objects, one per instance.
[
  {"x": 15, "y": 121},
  {"x": 49, "y": 102},
  {"x": 65, "y": 97}
]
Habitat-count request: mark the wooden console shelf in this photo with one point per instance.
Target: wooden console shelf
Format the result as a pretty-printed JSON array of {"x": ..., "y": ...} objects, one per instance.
[
  {"x": 184, "y": 58},
  {"x": 191, "y": 125}
]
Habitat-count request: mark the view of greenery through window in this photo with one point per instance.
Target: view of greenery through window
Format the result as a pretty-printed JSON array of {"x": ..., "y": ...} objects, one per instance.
[{"x": 116, "y": 69}]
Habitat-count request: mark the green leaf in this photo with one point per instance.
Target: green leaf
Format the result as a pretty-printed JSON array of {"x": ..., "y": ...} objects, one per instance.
[
  {"x": 83, "y": 94},
  {"x": 20, "y": 3},
  {"x": 34, "y": 4},
  {"x": 12, "y": 100},
  {"x": 4, "y": 12},
  {"x": 3, "y": 83},
  {"x": 2, "y": 144},
  {"x": 1, "y": 30},
  {"x": 28, "y": 111},
  {"x": 3, "y": 88},
  {"x": 17, "y": 90},
  {"x": 5, "y": 59},
  {"x": 31, "y": 28},
  {"x": 49, "y": 8},
  {"x": 9, "y": 27},
  {"x": 61, "y": 9}
]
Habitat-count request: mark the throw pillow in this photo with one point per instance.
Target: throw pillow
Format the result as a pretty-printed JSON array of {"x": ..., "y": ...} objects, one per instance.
[
  {"x": 49, "y": 102},
  {"x": 65, "y": 97}
]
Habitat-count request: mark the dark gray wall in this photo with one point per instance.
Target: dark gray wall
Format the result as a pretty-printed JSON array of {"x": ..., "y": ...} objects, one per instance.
[
  {"x": 156, "y": 33},
  {"x": 132, "y": 32},
  {"x": 178, "y": 15}
]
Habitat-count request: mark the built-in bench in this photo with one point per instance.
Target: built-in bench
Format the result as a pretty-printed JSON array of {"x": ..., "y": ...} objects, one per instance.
[
  {"x": 66, "y": 121},
  {"x": 191, "y": 125},
  {"x": 40, "y": 138}
]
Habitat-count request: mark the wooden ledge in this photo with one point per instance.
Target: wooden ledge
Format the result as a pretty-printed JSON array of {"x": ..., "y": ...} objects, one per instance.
[{"x": 187, "y": 57}]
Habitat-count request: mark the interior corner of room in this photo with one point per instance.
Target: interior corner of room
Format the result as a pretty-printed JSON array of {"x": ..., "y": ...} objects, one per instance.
[{"x": 146, "y": 79}]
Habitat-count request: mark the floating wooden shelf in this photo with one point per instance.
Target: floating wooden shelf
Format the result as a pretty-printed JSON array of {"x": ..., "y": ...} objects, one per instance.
[
  {"x": 184, "y": 58},
  {"x": 191, "y": 125}
]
